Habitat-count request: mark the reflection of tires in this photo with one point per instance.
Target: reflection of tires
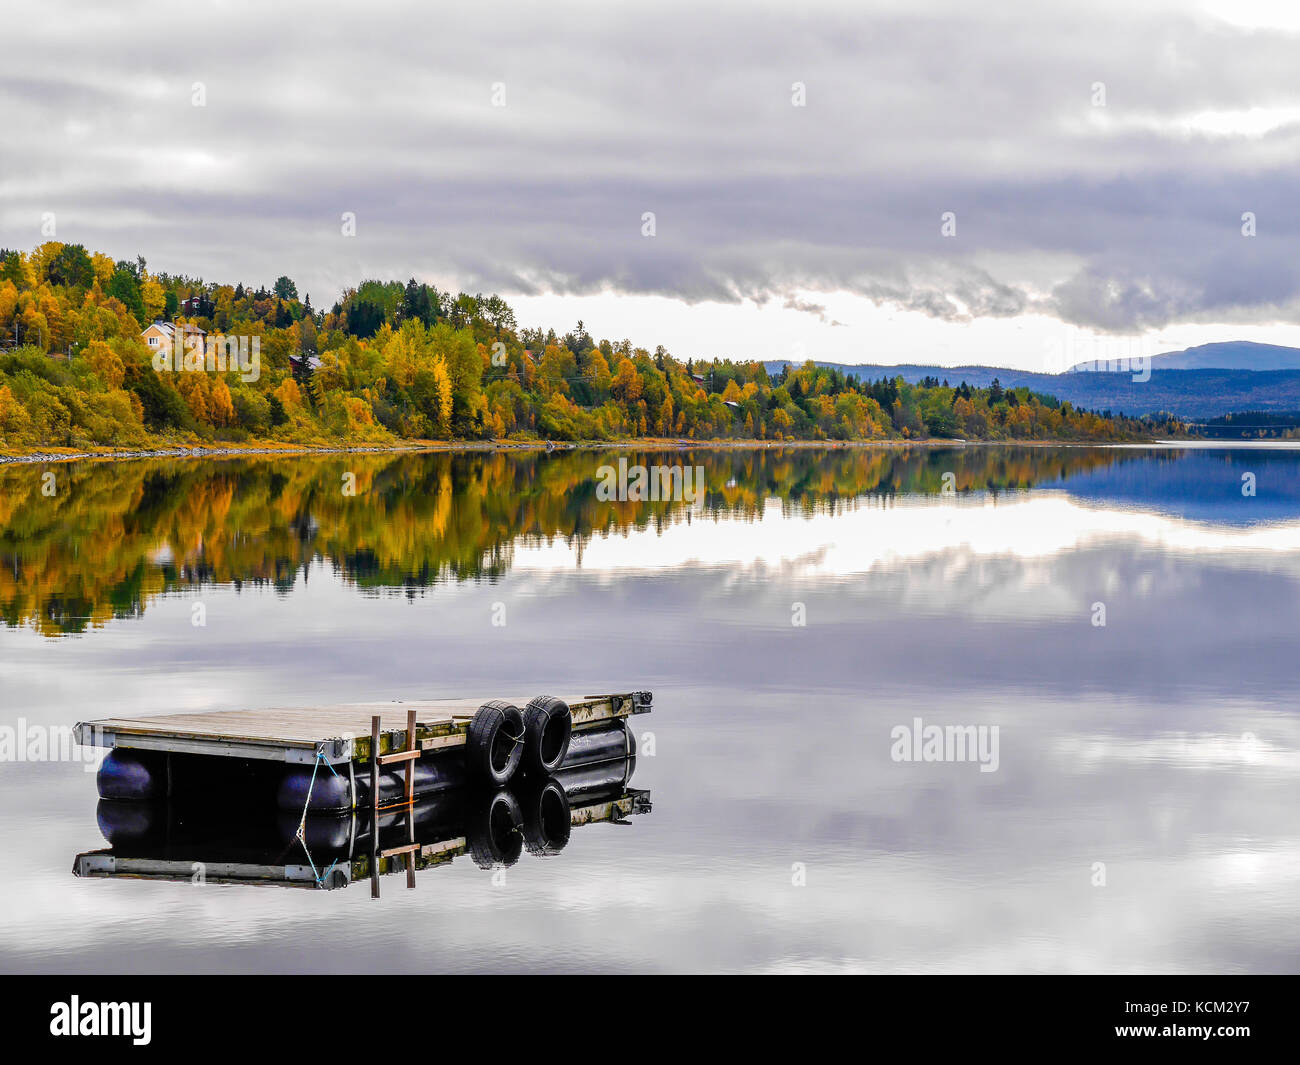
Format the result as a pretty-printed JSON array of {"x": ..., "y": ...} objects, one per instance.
[
  {"x": 548, "y": 724},
  {"x": 548, "y": 822},
  {"x": 495, "y": 743},
  {"x": 494, "y": 831}
]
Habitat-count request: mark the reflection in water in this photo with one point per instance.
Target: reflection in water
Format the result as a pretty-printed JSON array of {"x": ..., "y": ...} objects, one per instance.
[
  {"x": 1159, "y": 750},
  {"x": 117, "y": 535},
  {"x": 1202, "y": 485},
  {"x": 196, "y": 841}
]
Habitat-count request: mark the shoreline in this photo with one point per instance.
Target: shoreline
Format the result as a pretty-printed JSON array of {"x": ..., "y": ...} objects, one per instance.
[{"x": 203, "y": 451}]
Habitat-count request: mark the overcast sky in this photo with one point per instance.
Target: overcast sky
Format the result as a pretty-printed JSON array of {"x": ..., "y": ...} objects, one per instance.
[{"x": 1098, "y": 163}]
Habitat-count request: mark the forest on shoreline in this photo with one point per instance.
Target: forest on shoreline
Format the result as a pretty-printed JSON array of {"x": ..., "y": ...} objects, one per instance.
[{"x": 389, "y": 363}]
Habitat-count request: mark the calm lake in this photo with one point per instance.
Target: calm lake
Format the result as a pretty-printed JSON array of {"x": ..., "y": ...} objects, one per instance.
[{"x": 1143, "y": 811}]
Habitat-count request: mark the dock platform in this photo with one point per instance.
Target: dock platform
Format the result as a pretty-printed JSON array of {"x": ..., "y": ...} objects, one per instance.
[
  {"x": 335, "y": 735},
  {"x": 339, "y": 758}
]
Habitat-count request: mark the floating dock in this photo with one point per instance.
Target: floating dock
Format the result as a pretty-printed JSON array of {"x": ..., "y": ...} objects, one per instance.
[{"x": 367, "y": 788}]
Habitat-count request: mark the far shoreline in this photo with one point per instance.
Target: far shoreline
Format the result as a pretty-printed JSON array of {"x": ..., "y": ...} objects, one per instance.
[{"x": 226, "y": 451}]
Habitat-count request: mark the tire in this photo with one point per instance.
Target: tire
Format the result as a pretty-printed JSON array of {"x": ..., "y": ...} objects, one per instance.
[
  {"x": 495, "y": 744},
  {"x": 494, "y": 831},
  {"x": 548, "y": 725},
  {"x": 549, "y": 821}
]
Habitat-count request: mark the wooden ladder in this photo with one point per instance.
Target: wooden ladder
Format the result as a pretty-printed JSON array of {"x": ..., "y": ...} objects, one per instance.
[{"x": 408, "y": 755}]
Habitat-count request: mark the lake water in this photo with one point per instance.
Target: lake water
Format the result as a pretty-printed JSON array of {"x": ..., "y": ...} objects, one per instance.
[{"x": 1143, "y": 811}]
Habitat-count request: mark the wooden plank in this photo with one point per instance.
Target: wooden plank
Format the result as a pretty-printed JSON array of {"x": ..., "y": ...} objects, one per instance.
[
  {"x": 412, "y": 752},
  {"x": 437, "y": 743},
  {"x": 447, "y": 846},
  {"x": 292, "y": 718},
  {"x": 301, "y": 728},
  {"x": 606, "y": 811},
  {"x": 374, "y": 775},
  {"x": 438, "y": 724},
  {"x": 348, "y": 715},
  {"x": 400, "y": 756},
  {"x": 413, "y": 749},
  {"x": 375, "y": 723}
]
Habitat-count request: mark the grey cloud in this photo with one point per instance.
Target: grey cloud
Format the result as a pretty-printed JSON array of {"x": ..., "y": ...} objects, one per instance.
[{"x": 686, "y": 113}]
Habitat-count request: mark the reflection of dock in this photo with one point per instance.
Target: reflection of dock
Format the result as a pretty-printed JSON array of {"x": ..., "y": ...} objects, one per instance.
[
  {"x": 161, "y": 843},
  {"x": 325, "y": 796}
]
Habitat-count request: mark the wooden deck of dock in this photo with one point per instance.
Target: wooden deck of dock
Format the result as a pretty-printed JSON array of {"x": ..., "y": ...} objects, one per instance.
[{"x": 334, "y": 734}]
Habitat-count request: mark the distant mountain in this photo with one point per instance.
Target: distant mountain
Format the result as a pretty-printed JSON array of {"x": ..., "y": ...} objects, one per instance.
[
  {"x": 1229, "y": 355},
  {"x": 975, "y": 376},
  {"x": 1194, "y": 394}
]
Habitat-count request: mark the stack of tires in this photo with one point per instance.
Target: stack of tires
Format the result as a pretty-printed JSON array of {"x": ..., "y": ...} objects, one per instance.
[
  {"x": 502, "y": 740},
  {"x": 504, "y": 744}
]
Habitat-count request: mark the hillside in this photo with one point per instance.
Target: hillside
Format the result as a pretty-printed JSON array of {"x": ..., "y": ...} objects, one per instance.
[{"x": 108, "y": 353}]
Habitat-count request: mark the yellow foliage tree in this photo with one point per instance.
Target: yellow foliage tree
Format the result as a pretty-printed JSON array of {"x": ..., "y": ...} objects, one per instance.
[
  {"x": 103, "y": 266},
  {"x": 8, "y": 304},
  {"x": 106, "y": 363},
  {"x": 289, "y": 394},
  {"x": 221, "y": 408},
  {"x": 154, "y": 299},
  {"x": 41, "y": 257}
]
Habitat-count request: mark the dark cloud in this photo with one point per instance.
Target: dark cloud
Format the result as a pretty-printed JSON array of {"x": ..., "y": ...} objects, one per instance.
[{"x": 1119, "y": 217}]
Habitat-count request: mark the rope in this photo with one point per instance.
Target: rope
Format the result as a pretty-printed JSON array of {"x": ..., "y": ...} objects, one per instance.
[
  {"x": 320, "y": 877},
  {"x": 302, "y": 821},
  {"x": 300, "y": 835}
]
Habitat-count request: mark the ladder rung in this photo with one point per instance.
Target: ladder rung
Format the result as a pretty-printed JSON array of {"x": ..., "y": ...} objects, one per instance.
[{"x": 399, "y": 756}]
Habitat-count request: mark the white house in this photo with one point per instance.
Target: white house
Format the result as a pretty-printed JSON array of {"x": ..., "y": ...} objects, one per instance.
[{"x": 162, "y": 335}]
